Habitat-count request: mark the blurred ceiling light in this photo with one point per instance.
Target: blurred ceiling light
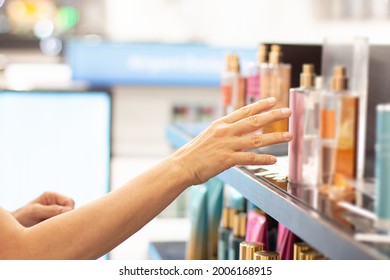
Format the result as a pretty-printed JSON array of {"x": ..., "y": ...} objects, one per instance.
[
  {"x": 43, "y": 28},
  {"x": 51, "y": 46},
  {"x": 1, "y": 3}
]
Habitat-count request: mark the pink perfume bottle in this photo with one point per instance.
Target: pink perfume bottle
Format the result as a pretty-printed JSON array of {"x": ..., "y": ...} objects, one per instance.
[{"x": 304, "y": 125}]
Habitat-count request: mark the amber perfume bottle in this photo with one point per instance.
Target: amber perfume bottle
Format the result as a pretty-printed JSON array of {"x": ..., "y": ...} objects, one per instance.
[
  {"x": 303, "y": 151},
  {"x": 226, "y": 86},
  {"x": 276, "y": 83},
  {"x": 338, "y": 132},
  {"x": 238, "y": 82}
]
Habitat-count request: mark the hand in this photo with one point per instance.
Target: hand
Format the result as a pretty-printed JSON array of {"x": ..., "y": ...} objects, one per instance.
[
  {"x": 47, "y": 205},
  {"x": 225, "y": 142}
]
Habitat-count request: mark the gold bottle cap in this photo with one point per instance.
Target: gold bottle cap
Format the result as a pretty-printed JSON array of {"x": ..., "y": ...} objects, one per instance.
[
  {"x": 252, "y": 249},
  {"x": 262, "y": 54},
  {"x": 231, "y": 214},
  {"x": 239, "y": 224},
  {"x": 228, "y": 59},
  {"x": 266, "y": 255},
  {"x": 300, "y": 247},
  {"x": 276, "y": 48},
  {"x": 236, "y": 225},
  {"x": 225, "y": 217},
  {"x": 310, "y": 255},
  {"x": 242, "y": 222},
  {"x": 235, "y": 63},
  {"x": 247, "y": 249},
  {"x": 307, "y": 76},
  {"x": 339, "y": 79},
  {"x": 275, "y": 55}
]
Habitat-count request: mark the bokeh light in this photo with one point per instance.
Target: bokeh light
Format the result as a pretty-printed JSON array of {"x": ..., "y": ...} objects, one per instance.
[
  {"x": 67, "y": 17},
  {"x": 43, "y": 28},
  {"x": 51, "y": 46}
]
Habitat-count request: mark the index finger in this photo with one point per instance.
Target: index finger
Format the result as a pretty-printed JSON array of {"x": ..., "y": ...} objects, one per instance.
[{"x": 249, "y": 110}]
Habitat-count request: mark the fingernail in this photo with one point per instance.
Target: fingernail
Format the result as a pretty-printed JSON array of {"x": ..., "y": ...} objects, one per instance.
[
  {"x": 272, "y": 159},
  {"x": 287, "y": 135},
  {"x": 285, "y": 111},
  {"x": 271, "y": 100}
]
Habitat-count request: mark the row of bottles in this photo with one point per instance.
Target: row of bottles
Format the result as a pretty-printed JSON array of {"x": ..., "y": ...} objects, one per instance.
[
  {"x": 267, "y": 77},
  {"x": 324, "y": 123},
  {"x": 248, "y": 233}
]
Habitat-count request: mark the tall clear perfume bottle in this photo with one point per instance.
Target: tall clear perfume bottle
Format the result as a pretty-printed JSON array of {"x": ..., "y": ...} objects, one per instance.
[
  {"x": 338, "y": 132},
  {"x": 304, "y": 125},
  {"x": 253, "y": 92},
  {"x": 276, "y": 83}
]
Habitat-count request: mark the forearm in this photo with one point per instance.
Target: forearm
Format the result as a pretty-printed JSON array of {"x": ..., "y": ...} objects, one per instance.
[{"x": 94, "y": 229}]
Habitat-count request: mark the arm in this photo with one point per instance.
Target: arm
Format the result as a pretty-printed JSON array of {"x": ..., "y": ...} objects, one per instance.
[{"x": 94, "y": 229}]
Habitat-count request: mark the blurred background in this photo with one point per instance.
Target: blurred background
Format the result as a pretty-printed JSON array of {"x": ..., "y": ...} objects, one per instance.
[{"x": 132, "y": 51}]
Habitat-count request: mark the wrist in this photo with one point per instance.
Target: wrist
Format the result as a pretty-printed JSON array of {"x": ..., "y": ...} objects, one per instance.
[{"x": 181, "y": 170}]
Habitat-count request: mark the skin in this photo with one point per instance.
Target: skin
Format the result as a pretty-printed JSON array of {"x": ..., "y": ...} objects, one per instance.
[{"x": 94, "y": 229}]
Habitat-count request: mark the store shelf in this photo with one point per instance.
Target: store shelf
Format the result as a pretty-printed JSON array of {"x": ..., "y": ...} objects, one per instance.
[{"x": 324, "y": 232}]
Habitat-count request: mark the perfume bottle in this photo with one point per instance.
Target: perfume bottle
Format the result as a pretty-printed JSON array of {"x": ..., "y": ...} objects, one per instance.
[
  {"x": 238, "y": 84},
  {"x": 257, "y": 227},
  {"x": 237, "y": 235},
  {"x": 303, "y": 150},
  {"x": 276, "y": 83},
  {"x": 226, "y": 87},
  {"x": 285, "y": 243},
  {"x": 382, "y": 167},
  {"x": 338, "y": 132},
  {"x": 253, "y": 92}
]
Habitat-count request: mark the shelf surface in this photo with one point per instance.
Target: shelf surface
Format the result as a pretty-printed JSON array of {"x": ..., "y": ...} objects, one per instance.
[{"x": 306, "y": 211}]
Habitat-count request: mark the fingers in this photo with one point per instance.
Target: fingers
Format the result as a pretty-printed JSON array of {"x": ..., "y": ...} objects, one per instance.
[
  {"x": 249, "y": 110},
  {"x": 254, "y": 122},
  {"x": 248, "y": 158},
  {"x": 43, "y": 212},
  {"x": 50, "y": 198},
  {"x": 261, "y": 140}
]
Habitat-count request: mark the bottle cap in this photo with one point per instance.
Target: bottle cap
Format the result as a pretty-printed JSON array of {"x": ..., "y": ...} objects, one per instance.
[
  {"x": 300, "y": 247},
  {"x": 247, "y": 249},
  {"x": 339, "y": 79},
  {"x": 262, "y": 54},
  {"x": 275, "y": 55},
  {"x": 266, "y": 255},
  {"x": 239, "y": 224},
  {"x": 307, "y": 76},
  {"x": 225, "y": 217},
  {"x": 310, "y": 255},
  {"x": 231, "y": 214}
]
